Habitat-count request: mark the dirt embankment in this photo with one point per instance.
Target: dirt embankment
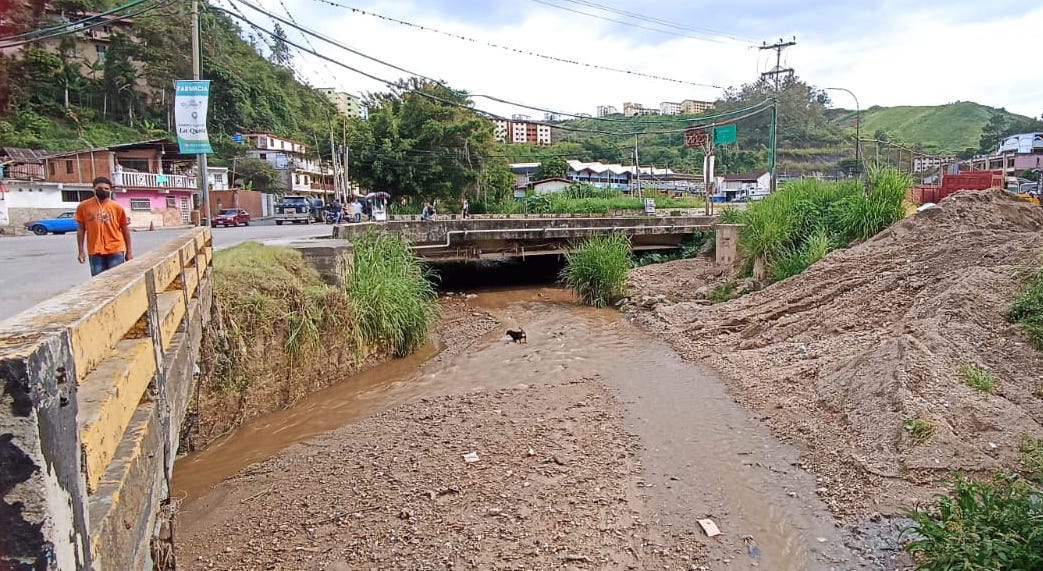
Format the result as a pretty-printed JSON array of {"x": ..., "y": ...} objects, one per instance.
[
  {"x": 838, "y": 359},
  {"x": 551, "y": 484},
  {"x": 274, "y": 378}
]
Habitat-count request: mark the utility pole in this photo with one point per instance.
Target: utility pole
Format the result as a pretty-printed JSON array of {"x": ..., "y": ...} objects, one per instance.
[
  {"x": 778, "y": 69},
  {"x": 637, "y": 167},
  {"x": 197, "y": 73}
]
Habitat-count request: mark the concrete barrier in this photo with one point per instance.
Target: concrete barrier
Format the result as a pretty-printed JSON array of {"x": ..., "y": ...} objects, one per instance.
[{"x": 95, "y": 383}]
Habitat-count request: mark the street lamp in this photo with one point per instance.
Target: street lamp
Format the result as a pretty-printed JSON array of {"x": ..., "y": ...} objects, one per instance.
[{"x": 858, "y": 124}]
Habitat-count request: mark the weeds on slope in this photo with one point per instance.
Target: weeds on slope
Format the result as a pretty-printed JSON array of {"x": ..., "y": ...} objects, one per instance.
[
  {"x": 597, "y": 269},
  {"x": 1027, "y": 309},
  {"x": 994, "y": 525},
  {"x": 799, "y": 224}
]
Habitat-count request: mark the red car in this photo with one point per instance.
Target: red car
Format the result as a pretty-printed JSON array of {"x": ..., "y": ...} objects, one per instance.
[{"x": 231, "y": 217}]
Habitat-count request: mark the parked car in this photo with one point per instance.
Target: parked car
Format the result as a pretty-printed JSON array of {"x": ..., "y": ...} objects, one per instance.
[
  {"x": 60, "y": 225},
  {"x": 231, "y": 217},
  {"x": 293, "y": 209}
]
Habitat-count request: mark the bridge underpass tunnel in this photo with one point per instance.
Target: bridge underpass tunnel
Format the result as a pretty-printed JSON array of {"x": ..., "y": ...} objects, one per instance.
[{"x": 493, "y": 274}]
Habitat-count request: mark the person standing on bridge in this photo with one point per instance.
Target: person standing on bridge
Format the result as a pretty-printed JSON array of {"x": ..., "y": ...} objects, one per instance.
[
  {"x": 466, "y": 210},
  {"x": 103, "y": 229}
]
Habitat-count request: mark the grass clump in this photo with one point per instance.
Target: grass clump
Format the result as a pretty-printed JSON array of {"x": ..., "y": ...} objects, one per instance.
[
  {"x": 977, "y": 377},
  {"x": 723, "y": 292},
  {"x": 597, "y": 269},
  {"x": 393, "y": 300},
  {"x": 1027, "y": 309},
  {"x": 804, "y": 220},
  {"x": 271, "y": 308},
  {"x": 994, "y": 525},
  {"x": 921, "y": 430}
]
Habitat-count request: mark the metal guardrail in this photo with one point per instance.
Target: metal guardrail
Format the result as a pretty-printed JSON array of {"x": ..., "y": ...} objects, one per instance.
[{"x": 95, "y": 384}]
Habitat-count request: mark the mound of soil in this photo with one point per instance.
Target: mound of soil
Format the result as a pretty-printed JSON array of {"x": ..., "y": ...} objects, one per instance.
[
  {"x": 839, "y": 358},
  {"x": 552, "y": 484}
]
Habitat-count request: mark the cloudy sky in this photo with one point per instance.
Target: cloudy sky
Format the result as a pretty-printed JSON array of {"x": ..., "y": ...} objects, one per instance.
[{"x": 887, "y": 52}]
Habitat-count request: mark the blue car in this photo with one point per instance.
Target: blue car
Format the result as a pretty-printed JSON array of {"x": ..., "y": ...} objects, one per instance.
[{"x": 60, "y": 225}]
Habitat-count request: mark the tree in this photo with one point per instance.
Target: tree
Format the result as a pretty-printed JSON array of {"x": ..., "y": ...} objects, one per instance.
[
  {"x": 280, "y": 49},
  {"x": 552, "y": 167},
  {"x": 422, "y": 141},
  {"x": 256, "y": 174}
]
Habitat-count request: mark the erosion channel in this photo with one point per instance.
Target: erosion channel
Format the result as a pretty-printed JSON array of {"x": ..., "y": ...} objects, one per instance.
[{"x": 597, "y": 448}]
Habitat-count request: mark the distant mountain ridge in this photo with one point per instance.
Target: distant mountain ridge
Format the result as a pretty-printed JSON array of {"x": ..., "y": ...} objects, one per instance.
[{"x": 943, "y": 129}]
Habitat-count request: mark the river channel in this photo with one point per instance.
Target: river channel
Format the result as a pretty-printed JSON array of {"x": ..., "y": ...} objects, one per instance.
[{"x": 702, "y": 455}]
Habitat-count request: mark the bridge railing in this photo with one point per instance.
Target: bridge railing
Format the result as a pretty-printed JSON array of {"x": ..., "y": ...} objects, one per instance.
[{"x": 94, "y": 384}]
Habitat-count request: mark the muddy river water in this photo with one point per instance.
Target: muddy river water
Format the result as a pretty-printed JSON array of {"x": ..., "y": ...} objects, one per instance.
[{"x": 702, "y": 455}]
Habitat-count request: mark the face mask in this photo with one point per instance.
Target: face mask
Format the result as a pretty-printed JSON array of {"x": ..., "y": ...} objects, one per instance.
[{"x": 102, "y": 194}]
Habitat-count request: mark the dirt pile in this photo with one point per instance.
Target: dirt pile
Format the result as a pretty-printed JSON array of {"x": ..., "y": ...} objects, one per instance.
[
  {"x": 843, "y": 357},
  {"x": 552, "y": 483}
]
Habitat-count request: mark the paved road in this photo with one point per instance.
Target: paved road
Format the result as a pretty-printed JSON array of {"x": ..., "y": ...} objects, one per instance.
[{"x": 35, "y": 268}]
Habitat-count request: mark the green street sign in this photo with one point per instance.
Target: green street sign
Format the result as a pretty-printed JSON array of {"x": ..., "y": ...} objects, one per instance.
[{"x": 724, "y": 135}]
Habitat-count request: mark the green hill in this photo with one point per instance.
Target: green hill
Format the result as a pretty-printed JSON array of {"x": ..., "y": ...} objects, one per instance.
[{"x": 947, "y": 128}]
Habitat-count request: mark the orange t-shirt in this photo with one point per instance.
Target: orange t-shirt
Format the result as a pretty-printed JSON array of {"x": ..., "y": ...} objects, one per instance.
[{"x": 103, "y": 223}]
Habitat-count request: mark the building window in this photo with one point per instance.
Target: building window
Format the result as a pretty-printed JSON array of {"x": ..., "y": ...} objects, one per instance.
[
  {"x": 76, "y": 195},
  {"x": 50, "y": 167},
  {"x": 171, "y": 202},
  {"x": 141, "y": 205},
  {"x": 68, "y": 167},
  {"x": 100, "y": 49}
]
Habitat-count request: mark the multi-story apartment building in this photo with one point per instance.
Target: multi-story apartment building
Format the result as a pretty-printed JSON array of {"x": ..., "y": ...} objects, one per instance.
[
  {"x": 928, "y": 162},
  {"x": 347, "y": 104},
  {"x": 301, "y": 173},
  {"x": 693, "y": 107},
  {"x": 631, "y": 109},
  {"x": 605, "y": 110},
  {"x": 668, "y": 108},
  {"x": 522, "y": 132}
]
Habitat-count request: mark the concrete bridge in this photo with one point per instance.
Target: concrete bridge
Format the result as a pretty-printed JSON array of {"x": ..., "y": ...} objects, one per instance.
[
  {"x": 532, "y": 235},
  {"x": 95, "y": 383}
]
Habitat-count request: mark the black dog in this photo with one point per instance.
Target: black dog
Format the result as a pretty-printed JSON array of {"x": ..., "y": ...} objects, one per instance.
[{"x": 517, "y": 336}]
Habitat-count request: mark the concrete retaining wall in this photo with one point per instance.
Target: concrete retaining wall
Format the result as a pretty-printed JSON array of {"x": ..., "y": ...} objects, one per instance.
[{"x": 95, "y": 384}]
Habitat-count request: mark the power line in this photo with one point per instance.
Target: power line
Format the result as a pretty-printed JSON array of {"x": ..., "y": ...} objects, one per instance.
[
  {"x": 394, "y": 86},
  {"x": 86, "y": 27},
  {"x": 658, "y": 20},
  {"x": 75, "y": 25},
  {"x": 306, "y": 31},
  {"x": 630, "y": 24},
  {"x": 517, "y": 50}
]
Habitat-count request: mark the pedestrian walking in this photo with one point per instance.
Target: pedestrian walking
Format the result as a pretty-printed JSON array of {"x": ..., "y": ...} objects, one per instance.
[
  {"x": 103, "y": 230},
  {"x": 357, "y": 207},
  {"x": 465, "y": 211}
]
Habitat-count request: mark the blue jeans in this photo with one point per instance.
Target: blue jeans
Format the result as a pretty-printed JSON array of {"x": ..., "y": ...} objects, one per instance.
[{"x": 103, "y": 262}]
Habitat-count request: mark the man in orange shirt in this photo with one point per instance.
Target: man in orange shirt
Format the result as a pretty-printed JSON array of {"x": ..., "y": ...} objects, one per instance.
[{"x": 106, "y": 228}]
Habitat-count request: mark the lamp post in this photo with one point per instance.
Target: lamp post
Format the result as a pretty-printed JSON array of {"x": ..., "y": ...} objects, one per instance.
[{"x": 858, "y": 125}]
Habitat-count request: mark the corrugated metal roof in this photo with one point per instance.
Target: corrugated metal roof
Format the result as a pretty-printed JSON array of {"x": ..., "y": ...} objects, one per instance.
[{"x": 20, "y": 155}]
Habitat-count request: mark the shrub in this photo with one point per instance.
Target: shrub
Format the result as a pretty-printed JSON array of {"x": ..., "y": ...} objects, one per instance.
[
  {"x": 722, "y": 292},
  {"x": 1032, "y": 457},
  {"x": 977, "y": 377},
  {"x": 1027, "y": 309},
  {"x": 393, "y": 300},
  {"x": 597, "y": 270},
  {"x": 988, "y": 526}
]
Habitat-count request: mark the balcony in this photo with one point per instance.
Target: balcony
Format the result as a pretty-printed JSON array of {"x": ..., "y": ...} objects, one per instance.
[{"x": 153, "y": 180}]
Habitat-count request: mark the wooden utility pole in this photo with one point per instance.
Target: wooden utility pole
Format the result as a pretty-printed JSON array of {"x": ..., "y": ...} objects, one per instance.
[{"x": 778, "y": 70}]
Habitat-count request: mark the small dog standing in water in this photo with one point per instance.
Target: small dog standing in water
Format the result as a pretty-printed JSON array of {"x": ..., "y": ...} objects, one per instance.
[{"x": 517, "y": 336}]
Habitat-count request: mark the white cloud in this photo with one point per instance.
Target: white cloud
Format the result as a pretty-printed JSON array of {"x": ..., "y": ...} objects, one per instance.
[{"x": 914, "y": 57}]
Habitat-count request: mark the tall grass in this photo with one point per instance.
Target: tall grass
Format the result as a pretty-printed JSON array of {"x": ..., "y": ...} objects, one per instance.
[
  {"x": 801, "y": 222},
  {"x": 597, "y": 269},
  {"x": 271, "y": 307},
  {"x": 393, "y": 300}
]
